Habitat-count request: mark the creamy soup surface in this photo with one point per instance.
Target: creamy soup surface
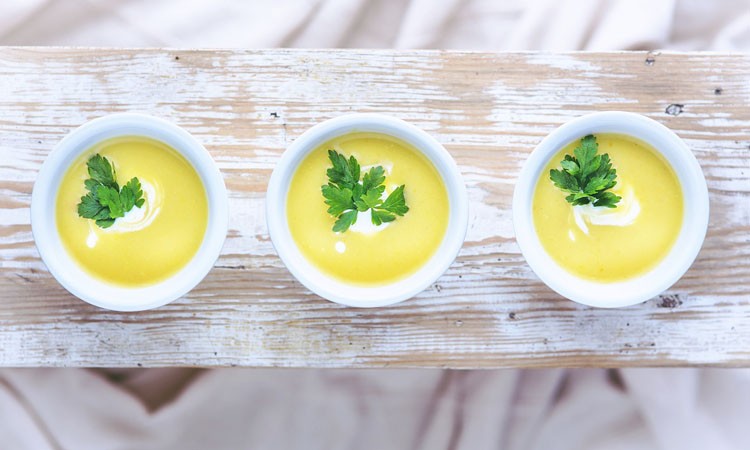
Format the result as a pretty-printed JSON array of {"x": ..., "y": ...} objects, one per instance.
[
  {"x": 606, "y": 245},
  {"x": 365, "y": 254},
  {"x": 150, "y": 243}
]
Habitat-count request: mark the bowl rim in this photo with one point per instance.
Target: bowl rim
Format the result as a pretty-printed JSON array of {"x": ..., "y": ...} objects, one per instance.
[
  {"x": 683, "y": 252},
  {"x": 327, "y": 286},
  {"x": 61, "y": 264}
]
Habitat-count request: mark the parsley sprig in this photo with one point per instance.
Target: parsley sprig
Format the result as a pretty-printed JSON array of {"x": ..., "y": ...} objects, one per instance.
[
  {"x": 587, "y": 176},
  {"x": 105, "y": 200},
  {"x": 347, "y": 196}
]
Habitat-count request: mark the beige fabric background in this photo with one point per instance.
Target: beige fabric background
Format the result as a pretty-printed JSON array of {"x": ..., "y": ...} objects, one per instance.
[
  {"x": 371, "y": 409},
  {"x": 461, "y": 24}
]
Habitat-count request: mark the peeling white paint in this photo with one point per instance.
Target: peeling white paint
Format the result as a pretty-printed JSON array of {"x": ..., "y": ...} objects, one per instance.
[{"x": 487, "y": 111}]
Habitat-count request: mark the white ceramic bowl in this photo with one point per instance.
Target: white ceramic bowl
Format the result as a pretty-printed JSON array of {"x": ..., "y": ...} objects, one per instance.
[
  {"x": 327, "y": 286},
  {"x": 686, "y": 247},
  {"x": 59, "y": 262}
]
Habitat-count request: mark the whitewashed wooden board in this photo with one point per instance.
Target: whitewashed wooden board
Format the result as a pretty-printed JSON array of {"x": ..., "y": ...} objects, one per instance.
[{"x": 488, "y": 109}]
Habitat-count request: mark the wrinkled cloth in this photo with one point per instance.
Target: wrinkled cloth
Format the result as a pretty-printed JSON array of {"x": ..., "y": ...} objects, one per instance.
[
  {"x": 311, "y": 409},
  {"x": 377, "y": 409},
  {"x": 554, "y": 25}
]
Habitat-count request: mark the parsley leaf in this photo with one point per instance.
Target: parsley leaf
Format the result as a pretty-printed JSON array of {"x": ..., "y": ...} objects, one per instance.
[
  {"x": 396, "y": 203},
  {"x": 347, "y": 196},
  {"x": 379, "y": 216},
  {"x": 373, "y": 178},
  {"x": 587, "y": 176},
  {"x": 101, "y": 171},
  {"x": 132, "y": 195},
  {"x": 345, "y": 220},
  {"x": 90, "y": 206},
  {"x": 344, "y": 174},
  {"x": 370, "y": 199},
  {"x": 105, "y": 223},
  {"x": 337, "y": 199},
  {"x": 607, "y": 199},
  {"x": 105, "y": 200},
  {"x": 110, "y": 198}
]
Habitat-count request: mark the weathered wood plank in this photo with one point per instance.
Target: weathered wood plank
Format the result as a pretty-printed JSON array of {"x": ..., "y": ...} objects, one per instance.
[{"x": 489, "y": 110}]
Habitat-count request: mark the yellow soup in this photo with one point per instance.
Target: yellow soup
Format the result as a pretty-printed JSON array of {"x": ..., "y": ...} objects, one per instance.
[
  {"x": 150, "y": 243},
  {"x": 365, "y": 254},
  {"x": 609, "y": 245}
]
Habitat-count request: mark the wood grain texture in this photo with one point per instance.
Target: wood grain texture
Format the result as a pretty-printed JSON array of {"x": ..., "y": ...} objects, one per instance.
[{"x": 489, "y": 110}]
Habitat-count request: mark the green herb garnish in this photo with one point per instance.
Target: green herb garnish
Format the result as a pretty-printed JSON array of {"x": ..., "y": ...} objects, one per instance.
[
  {"x": 106, "y": 201},
  {"x": 587, "y": 176},
  {"x": 346, "y": 195}
]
